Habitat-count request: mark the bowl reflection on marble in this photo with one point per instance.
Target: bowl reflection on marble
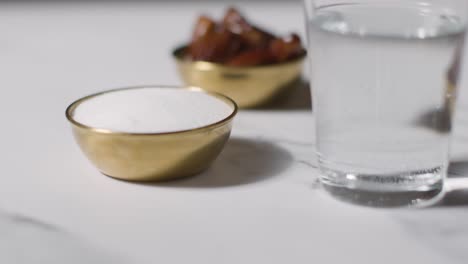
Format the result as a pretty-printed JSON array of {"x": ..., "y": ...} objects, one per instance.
[{"x": 146, "y": 155}]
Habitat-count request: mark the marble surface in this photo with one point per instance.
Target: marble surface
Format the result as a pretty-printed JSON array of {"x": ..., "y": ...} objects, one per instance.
[{"x": 259, "y": 203}]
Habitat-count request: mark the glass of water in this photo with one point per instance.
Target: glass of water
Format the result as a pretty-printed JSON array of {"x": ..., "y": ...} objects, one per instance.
[{"x": 383, "y": 75}]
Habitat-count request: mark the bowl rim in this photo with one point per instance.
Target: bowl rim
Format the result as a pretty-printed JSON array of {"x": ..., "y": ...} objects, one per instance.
[
  {"x": 176, "y": 54},
  {"x": 69, "y": 111}
]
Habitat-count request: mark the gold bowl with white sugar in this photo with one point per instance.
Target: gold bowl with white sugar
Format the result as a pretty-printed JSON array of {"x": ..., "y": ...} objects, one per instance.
[{"x": 152, "y": 156}]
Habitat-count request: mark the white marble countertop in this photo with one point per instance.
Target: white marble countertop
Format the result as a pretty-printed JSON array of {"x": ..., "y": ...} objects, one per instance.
[{"x": 259, "y": 203}]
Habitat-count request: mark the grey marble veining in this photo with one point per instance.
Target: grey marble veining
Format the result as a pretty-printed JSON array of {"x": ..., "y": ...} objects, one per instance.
[
  {"x": 444, "y": 230},
  {"x": 26, "y": 240}
]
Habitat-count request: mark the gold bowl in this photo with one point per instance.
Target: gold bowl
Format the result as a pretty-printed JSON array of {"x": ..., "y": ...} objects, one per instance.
[
  {"x": 247, "y": 86},
  {"x": 152, "y": 156}
]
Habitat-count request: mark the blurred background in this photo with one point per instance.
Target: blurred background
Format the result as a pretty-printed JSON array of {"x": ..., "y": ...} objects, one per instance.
[{"x": 96, "y": 45}]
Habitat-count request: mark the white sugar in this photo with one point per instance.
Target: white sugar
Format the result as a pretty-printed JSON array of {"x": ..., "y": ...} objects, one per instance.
[{"x": 151, "y": 110}]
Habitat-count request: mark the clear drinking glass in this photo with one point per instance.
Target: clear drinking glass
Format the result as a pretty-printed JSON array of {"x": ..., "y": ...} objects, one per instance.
[{"x": 383, "y": 75}]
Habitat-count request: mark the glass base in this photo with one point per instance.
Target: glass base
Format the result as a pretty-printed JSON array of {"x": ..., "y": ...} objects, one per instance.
[{"x": 413, "y": 188}]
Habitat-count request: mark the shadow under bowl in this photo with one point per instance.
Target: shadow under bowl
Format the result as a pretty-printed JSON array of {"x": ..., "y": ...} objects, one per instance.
[
  {"x": 152, "y": 156},
  {"x": 248, "y": 86}
]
